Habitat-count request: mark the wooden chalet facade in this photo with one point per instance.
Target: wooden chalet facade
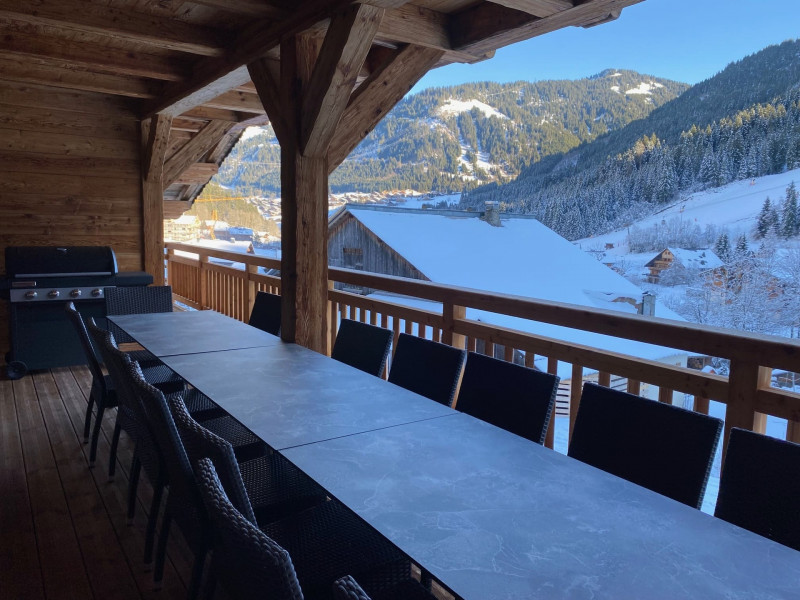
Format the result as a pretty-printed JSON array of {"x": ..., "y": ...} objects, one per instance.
[
  {"x": 682, "y": 259},
  {"x": 114, "y": 114}
]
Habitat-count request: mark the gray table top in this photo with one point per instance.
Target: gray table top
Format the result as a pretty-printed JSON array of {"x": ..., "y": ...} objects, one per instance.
[
  {"x": 495, "y": 516},
  {"x": 289, "y": 395},
  {"x": 191, "y": 332}
]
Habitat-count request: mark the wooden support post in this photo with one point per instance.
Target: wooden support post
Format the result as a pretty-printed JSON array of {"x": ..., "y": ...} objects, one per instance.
[
  {"x": 155, "y": 138},
  {"x": 665, "y": 395},
  {"x": 575, "y": 395},
  {"x": 604, "y": 379},
  {"x": 634, "y": 387},
  {"x": 450, "y": 313},
  {"x": 744, "y": 381},
  {"x": 701, "y": 405}
]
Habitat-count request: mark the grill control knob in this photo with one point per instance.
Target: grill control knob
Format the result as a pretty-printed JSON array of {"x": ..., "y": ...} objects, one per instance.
[
  {"x": 53, "y": 294},
  {"x": 30, "y": 295},
  {"x": 97, "y": 292},
  {"x": 75, "y": 294}
]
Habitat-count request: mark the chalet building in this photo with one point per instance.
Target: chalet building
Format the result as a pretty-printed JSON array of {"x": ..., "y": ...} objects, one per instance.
[
  {"x": 681, "y": 259},
  {"x": 185, "y": 228},
  {"x": 512, "y": 254}
]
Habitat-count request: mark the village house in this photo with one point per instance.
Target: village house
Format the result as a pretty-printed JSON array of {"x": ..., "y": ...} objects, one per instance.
[
  {"x": 512, "y": 254},
  {"x": 680, "y": 261}
]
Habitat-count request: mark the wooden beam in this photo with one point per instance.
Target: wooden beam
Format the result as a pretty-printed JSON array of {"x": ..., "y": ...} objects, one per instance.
[
  {"x": 254, "y": 8},
  {"x": 27, "y": 70},
  {"x": 377, "y": 96},
  {"x": 155, "y": 134},
  {"x": 343, "y": 53},
  {"x": 141, "y": 28},
  {"x": 206, "y": 113},
  {"x": 237, "y": 101},
  {"x": 156, "y": 148},
  {"x": 193, "y": 151},
  {"x": 490, "y": 26},
  {"x": 263, "y": 76},
  {"x": 214, "y": 76},
  {"x": 91, "y": 56},
  {"x": 537, "y": 8}
]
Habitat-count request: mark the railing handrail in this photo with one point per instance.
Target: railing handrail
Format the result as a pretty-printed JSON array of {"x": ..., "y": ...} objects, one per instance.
[{"x": 768, "y": 350}]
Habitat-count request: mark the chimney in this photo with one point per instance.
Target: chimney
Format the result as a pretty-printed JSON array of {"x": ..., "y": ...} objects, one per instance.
[
  {"x": 492, "y": 213},
  {"x": 648, "y": 305}
]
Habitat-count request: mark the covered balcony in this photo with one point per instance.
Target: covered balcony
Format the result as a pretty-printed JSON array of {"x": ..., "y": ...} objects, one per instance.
[{"x": 114, "y": 116}]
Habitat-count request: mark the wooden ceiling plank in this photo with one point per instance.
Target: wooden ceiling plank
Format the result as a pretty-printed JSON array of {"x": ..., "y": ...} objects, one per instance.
[
  {"x": 537, "y": 8},
  {"x": 255, "y": 8},
  {"x": 193, "y": 150},
  {"x": 206, "y": 113},
  {"x": 198, "y": 173},
  {"x": 237, "y": 101},
  {"x": 377, "y": 96},
  {"x": 490, "y": 26},
  {"x": 90, "y": 56},
  {"x": 343, "y": 53},
  {"x": 263, "y": 74},
  {"x": 91, "y": 17},
  {"x": 213, "y": 74},
  {"x": 39, "y": 72}
]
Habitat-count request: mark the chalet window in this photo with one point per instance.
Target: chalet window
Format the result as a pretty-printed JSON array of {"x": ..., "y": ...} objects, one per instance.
[{"x": 353, "y": 258}]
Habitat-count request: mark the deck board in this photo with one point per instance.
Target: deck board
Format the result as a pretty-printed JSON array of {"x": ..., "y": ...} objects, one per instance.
[{"x": 65, "y": 529}]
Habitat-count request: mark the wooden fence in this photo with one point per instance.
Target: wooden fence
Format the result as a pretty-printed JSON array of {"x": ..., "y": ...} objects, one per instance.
[{"x": 228, "y": 281}]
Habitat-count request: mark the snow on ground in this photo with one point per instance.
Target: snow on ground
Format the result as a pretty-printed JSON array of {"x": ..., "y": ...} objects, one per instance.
[
  {"x": 453, "y": 106},
  {"x": 735, "y": 205},
  {"x": 643, "y": 88}
]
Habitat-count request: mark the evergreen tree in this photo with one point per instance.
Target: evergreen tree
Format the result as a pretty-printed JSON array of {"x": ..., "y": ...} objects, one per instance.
[
  {"x": 742, "y": 249},
  {"x": 790, "y": 225},
  {"x": 764, "y": 224},
  {"x": 723, "y": 247}
]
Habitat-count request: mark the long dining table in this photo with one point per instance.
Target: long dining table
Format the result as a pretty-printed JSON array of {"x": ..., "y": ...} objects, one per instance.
[{"x": 487, "y": 513}]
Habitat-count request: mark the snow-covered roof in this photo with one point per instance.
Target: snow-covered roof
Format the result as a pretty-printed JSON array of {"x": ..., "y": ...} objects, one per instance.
[
  {"x": 522, "y": 257},
  {"x": 696, "y": 259}
]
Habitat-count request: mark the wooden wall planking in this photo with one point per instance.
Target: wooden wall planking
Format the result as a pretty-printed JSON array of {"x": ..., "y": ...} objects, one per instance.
[{"x": 70, "y": 173}]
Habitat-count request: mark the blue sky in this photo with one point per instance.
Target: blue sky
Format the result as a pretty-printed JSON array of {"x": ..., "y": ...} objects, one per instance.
[{"x": 684, "y": 40}]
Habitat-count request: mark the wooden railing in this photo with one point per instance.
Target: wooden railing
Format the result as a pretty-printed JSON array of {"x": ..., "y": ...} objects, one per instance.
[{"x": 201, "y": 281}]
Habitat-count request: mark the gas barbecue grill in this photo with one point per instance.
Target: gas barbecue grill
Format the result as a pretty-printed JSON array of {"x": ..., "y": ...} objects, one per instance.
[{"x": 39, "y": 281}]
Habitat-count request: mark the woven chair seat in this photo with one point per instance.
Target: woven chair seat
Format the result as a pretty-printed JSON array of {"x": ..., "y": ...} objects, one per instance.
[
  {"x": 246, "y": 445},
  {"x": 347, "y": 588},
  {"x": 200, "y": 406},
  {"x": 163, "y": 378},
  {"x": 143, "y": 357},
  {"x": 277, "y": 489},
  {"x": 328, "y": 542}
]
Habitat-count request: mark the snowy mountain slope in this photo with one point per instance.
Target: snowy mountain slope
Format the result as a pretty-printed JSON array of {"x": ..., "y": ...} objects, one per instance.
[{"x": 735, "y": 206}]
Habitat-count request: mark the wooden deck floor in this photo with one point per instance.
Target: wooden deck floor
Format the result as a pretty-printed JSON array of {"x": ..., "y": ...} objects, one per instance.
[{"x": 63, "y": 526}]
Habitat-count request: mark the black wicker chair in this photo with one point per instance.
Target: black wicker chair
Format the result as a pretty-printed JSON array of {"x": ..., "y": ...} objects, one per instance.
[
  {"x": 310, "y": 550},
  {"x": 266, "y": 313},
  {"x": 136, "y": 300},
  {"x": 515, "y": 398},
  {"x": 347, "y": 588},
  {"x": 365, "y": 347},
  {"x": 760, "y": 486},
  {"x": 428, "y": 368},
  {"x": 103, "y": 395},
  {"x": 658, "y": 446},
  {"x": 264, "y": 489}
]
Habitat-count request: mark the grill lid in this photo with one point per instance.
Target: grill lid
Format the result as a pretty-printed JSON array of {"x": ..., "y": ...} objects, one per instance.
[{"x": 59, "y": 261}]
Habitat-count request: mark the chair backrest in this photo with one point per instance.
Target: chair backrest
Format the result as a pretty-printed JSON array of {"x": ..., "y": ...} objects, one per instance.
[
  {"x": 515, "y": 398},
  {"x": 136, "y": 300},
  {"x": 248, "y": 563},
  {"x": 428, "y": 368},
  {"x": 658, "y": 446},
  {"x": 365, "y": 347},
  {"x": 199, "y": 443},
  {"x": 266, "y": 313},
  {"x": 184, "y": 499},
  {"x": 88, "y": 347},
  {"x": 760, "y": 486}
]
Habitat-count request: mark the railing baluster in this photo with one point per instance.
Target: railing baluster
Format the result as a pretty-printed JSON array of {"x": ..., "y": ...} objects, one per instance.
[
  {"x": 508, "y": 354},
  {"x": 634, "y": 386},
  {"x": 665, "y": 395},
  {"x": 552, "y": 368},
  {"x": 604, "y": 378}
]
